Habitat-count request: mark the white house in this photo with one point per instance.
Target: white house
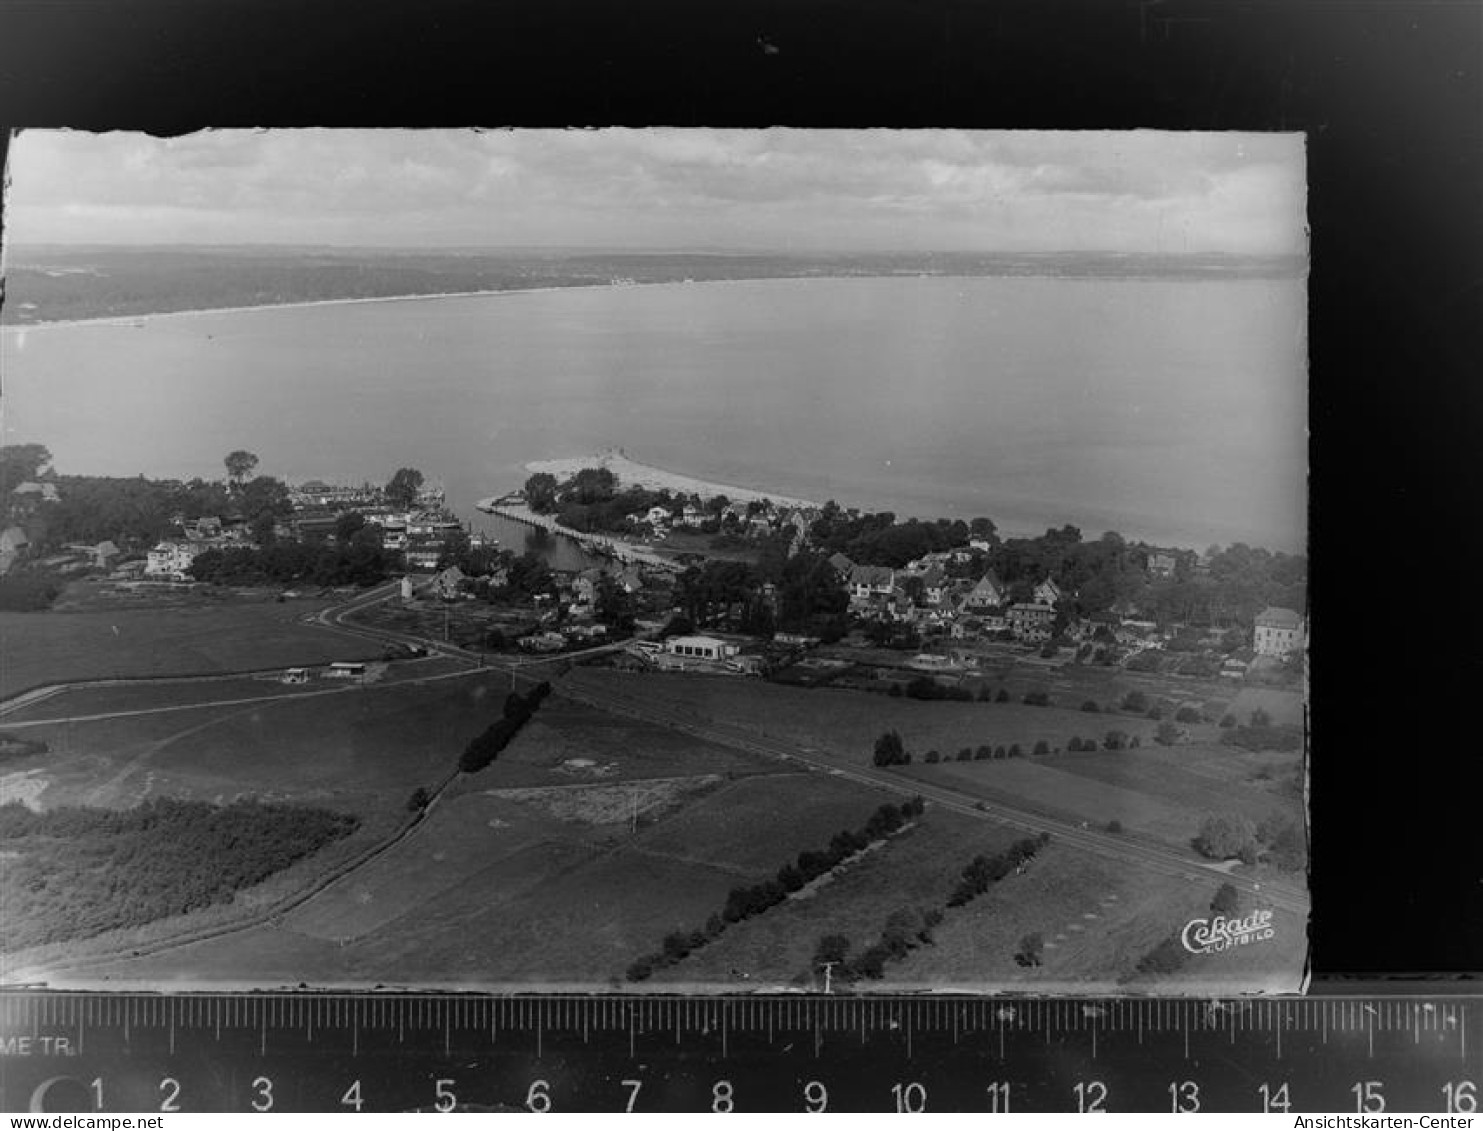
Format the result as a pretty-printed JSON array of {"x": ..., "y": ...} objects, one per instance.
[
  {"x": 700, "y": 647},
  {"x": 1278, "y": 632},
  {"x": 170, "y": 560}
]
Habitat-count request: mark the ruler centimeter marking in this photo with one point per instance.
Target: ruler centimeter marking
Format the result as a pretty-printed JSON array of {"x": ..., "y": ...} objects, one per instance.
[{"x": 1037, "y": 1040}]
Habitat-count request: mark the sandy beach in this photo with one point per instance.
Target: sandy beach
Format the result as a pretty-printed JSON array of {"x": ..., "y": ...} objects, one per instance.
[{"x": 631, "y": 473}]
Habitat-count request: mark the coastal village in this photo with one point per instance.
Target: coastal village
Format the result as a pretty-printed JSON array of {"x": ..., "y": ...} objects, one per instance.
[
  {"x": 945, "y": 613},
  {"x": 715, "y": 659}
]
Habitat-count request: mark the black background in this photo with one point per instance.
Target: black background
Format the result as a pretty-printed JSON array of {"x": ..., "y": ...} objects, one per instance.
[{"x": 1388, "y": 94}]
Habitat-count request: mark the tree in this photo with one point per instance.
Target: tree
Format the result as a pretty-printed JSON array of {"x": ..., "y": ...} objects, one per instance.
[
  {"x": 540, "y": 492},
  {"x": 20, "y": 463},
  {"x": 831, "y": 949},
  {"x": 1167, "y": 734},
  {"x": 1226, "y": 900},
  {"x": 418, "y": 801},
  {"x": 1135, "y": 701},
  {"x": 1002, "y": 696},
  {"x": 1114, "y": 826},
  {"x": 1031, "y": 949},
  {"x": 932, "y": 757},
  {"x": 1115, "y": 740},
  {"x": 1042, "y": 747},
  {"x": 1223, "y": 836},
  {"x": 1074, "y": 746},
  {"x": 402, "y": 489},
  {"x": 240, "y": 464},
  {"x": 1091, "y": 706},
  {"x": 347, "y": 525},
  {"x": 889, "y": 750},
  {"x": 1260, "y": 718}
]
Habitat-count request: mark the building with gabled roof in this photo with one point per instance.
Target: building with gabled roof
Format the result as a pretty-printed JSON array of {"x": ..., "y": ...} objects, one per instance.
[
  {"x": 1048, "y": 593},
  {"x": 1278, "y": 632},
  {"x": 989, "y": 593}
]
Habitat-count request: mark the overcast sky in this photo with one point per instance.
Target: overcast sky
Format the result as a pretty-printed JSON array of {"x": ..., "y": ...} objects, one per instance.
[{"x": 805, "y": 190}]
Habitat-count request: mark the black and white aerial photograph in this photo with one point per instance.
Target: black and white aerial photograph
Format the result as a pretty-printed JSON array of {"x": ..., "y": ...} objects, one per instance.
[{"x": 655, "y": 560}]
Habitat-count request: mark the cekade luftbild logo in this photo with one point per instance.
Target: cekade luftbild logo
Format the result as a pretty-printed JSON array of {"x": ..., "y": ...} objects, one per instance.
[{"x": 1208, "y": 936}]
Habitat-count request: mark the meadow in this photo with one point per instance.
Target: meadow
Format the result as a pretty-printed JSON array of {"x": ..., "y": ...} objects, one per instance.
[{"x": 52, "y": 647}]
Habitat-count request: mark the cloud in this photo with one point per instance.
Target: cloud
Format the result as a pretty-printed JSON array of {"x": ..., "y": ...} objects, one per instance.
[{"x": 664, "y": 187}]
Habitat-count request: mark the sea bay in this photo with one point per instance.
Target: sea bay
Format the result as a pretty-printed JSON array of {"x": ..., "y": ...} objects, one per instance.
[{"x": 1169, "y": 410}]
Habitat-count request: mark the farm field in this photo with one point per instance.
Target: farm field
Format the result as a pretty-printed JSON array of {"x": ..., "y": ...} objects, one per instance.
[
  {"x": 1200, "y": 775},
  {"x": 147, "y": 695},
  {"x": 364, "y": 749},
  {"x": 1081, "y": 905},
  {"x": 916, "y": 868},
  {"x": 849, "y": 722},
  {"x": 492, "y": 890},
  {"x": 553, "y": 747},
  {"x": 53, "y": 647}
]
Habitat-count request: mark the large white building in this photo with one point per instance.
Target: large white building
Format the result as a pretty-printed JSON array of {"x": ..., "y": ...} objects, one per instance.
[
  {"x": 171, "y": 560},
  {"x": 700, "y": 647},
  {"x": 1278, "y": 632}
]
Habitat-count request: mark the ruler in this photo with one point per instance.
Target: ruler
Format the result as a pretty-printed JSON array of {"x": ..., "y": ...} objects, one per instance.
[{"x": 406, "y": 1052}]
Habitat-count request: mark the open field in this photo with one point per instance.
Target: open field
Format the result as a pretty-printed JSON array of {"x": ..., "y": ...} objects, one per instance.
[
  {"x": 849, "y": 722},
  {"x": 1206, "y": 776},
  {"x": 365, "y": 749},
  {"x": 755, "y": 826},
  {"x": 1097, "y": 919},
  {"x": 1149, "y": 796},
  {"x": 80, "y": 702},
  {"x": 553, "y": 746},
  {"x": 446, "y": 853},
  {"x": 917, "y": 868},
  {"x": 53, "y": 647}
]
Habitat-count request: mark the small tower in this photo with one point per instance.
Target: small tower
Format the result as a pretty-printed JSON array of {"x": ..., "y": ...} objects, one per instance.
[{"x": 406, "y": 589}]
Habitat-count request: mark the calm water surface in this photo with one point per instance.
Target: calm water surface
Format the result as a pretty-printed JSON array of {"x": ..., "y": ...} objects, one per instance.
[{"x": 1174, "y": 411}]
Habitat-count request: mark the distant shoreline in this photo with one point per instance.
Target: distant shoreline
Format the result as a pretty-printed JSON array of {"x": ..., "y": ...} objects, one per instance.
[{"x": 123, "y": 320}]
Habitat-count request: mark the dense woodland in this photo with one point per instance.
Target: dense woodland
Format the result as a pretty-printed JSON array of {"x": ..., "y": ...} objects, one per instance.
[{"x": 72, "y": 872}]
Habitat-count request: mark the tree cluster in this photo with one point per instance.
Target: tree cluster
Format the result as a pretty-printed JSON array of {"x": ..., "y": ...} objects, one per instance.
[
  {"x": 754, "y": 899},
  {"x": 1256, "y": 738},
  {"x": 889, "y": 750},
  {"x": 361, "y": 563},
  {"x": 486, "y": 746},
  {"x": 906, "y": 929},
  {"x": 983, "y": 872},
  {"x": 925, "y": 687},
  {"x": 878, "y": 539},
  {"x": 75, "y": 872}
]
